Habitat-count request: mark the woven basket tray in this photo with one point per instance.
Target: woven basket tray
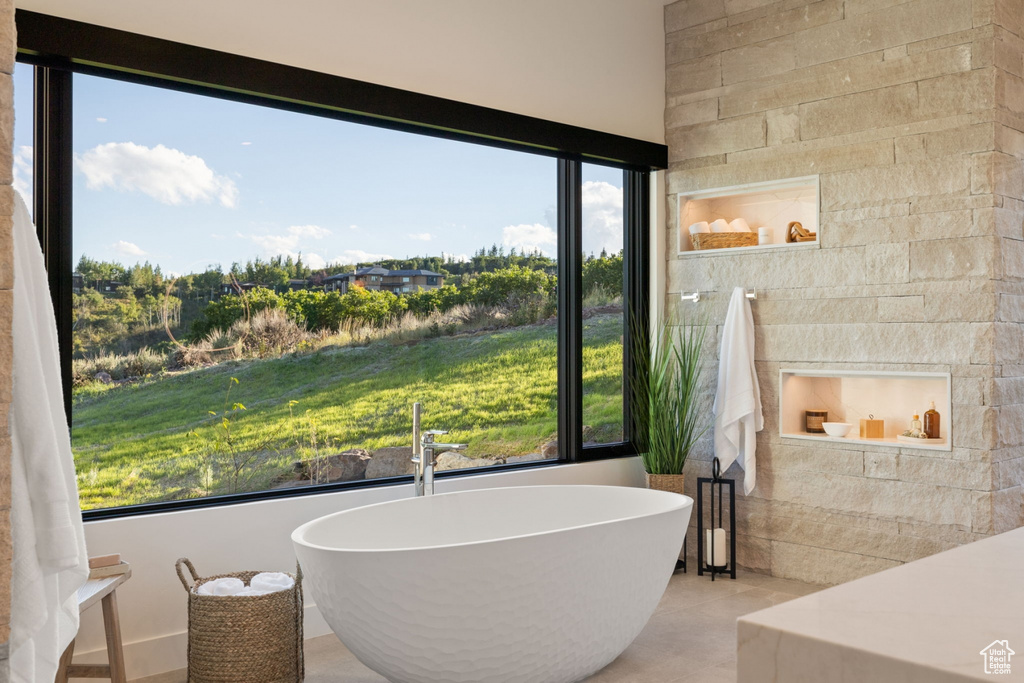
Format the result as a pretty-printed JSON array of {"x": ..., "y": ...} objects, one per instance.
[
  {"x": 723, "y": 240},
  {"x": 247, "y": 639},
  {"x": 673, "y": 483}
]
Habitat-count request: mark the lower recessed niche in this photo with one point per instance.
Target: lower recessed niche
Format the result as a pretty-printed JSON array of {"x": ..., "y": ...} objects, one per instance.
[{"x": 850, "y": 396}]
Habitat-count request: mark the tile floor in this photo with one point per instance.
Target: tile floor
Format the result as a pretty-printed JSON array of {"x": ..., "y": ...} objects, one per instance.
[{"x": 690, "y": 639}]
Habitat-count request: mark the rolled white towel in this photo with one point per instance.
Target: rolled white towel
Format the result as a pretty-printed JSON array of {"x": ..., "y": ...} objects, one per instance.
[
  {"x": 700, "y": 227},
  {"x": 739, "y": 225},
  {"x": 271, "y": 582},
  {"x": 721, "y": 225},
  {"x": 227, "y": 586},
  {"x": 249, "y": 591}
]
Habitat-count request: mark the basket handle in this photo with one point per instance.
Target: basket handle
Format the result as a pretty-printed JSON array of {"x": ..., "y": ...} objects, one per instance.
[
  {"x": 298, "y": 572},
  {"x": 181, "y": 575}
]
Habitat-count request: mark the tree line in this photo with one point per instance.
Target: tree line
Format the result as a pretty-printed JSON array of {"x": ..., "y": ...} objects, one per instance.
[{"x": 491, "y": 277}]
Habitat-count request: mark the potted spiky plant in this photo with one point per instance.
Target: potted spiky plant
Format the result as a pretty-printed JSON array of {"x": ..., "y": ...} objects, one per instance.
[{"x": 668, "y": 410}]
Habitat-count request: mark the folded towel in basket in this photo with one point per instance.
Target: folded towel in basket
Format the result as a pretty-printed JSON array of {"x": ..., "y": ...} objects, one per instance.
[
  {"x": 271, "y": 582},
  {"x": 226, "y": 586}
]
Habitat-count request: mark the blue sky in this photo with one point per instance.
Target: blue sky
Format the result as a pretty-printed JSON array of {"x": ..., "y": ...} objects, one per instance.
[{"x": 185, "y": 181}]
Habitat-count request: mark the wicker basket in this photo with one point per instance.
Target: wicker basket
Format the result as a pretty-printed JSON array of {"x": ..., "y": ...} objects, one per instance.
[
  {"x": 723, "y": 240},
  {"x": 243, "y": 639},
  {"x": 673, "y": 483}
]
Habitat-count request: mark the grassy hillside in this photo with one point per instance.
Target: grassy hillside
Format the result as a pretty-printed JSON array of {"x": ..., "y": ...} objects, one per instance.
[{"x": 158, "y": 440}]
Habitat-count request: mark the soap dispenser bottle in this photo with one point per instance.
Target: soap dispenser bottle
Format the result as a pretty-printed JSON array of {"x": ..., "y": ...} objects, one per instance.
[
  {"x": 915, "y": 426},
  {"x": 931, "y": 422}
]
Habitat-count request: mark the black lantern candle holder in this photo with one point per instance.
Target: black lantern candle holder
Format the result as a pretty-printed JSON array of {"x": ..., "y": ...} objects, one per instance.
[{"x": 716, "y": 482}]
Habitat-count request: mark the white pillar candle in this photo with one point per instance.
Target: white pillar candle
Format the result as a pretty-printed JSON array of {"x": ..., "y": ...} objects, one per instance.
[
  {"x": 719, "y": 559},
  {"x": 764, "y": 236}
]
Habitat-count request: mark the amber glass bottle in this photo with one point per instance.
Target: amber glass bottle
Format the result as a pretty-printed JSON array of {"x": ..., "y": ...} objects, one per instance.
[{"x": 931, "y": 422}]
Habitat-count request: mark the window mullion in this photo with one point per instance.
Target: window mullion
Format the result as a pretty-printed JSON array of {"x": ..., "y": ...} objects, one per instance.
[
  {"x": 636, "y": 273},
  {"x": 570, "y": 313},
  {"x": 52, "y": 170}
]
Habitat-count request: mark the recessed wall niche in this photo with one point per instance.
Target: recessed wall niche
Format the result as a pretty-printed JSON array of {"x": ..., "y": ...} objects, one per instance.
[
  {"x": 773, "y": 205},
  {"x": 850, "y": 396}
]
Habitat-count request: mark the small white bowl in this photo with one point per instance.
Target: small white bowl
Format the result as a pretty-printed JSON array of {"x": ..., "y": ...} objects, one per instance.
[{"x": 837, "y": 429}]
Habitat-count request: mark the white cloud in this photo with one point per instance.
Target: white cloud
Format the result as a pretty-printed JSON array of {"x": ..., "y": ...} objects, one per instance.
[
  {"x": 246, "y": 144},
  {"x": 167, "y": 175},
  {"x": 314, "y": 261},
  {"x": 314, "y": 231},
  {"x": 421, "y": 236},
  {"x": 602, "y": 217},
  {"x": 290, "y": 243},
  {"x": 529, "y": 237},
  {"x": 353, "y": 227},
  {"x": 277, "y": 245},
  {"x": 353, "y": 256},
  {"x": 128, "y": 249},
  {"x": 23, "y": 172},
  {"x": 100, "y": 119}
]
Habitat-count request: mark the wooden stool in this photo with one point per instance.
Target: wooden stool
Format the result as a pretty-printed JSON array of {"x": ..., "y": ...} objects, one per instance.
[{"x": 99, "y": 589}]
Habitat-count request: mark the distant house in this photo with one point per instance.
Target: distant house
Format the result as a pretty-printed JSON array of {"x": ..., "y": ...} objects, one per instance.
[
  {"x": 295, "y": 285},
  {"x": 77, "y": 283},
  {"x": 232, "y": 288},
  {"x": 405, "y": 281},
  {"x": 109, "y": 285},
  {"x": 377, "y": 278}
]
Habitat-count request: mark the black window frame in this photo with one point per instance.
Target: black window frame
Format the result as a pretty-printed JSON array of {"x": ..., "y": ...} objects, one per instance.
[{"x": 57, "y": 48}]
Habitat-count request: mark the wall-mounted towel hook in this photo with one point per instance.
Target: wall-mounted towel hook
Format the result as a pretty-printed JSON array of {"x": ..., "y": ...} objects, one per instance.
[
  {"x": 695, "y": 297},
  {"x": 752, "y": 294}
]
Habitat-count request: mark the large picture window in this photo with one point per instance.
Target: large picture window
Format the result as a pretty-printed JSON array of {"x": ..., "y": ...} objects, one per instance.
[{"x": 251, "y": 297}]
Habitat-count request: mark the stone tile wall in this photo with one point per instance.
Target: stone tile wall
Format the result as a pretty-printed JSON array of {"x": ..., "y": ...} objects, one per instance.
[{"x": 912, "y": 112}]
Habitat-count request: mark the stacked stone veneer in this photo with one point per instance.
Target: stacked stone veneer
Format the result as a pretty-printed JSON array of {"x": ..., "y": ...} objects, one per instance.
[{"x": 913, "y": 115}]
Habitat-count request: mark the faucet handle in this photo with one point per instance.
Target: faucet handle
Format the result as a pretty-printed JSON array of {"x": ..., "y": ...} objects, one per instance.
[{"x": 427, "y": 437}]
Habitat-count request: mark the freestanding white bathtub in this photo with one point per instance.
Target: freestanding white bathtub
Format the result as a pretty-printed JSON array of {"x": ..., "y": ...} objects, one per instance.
[{"x": 546, "y": 584}]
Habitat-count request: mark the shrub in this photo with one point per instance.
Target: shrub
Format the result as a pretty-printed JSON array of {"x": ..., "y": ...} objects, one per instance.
[
  {"x": 139, "y": 363},
  {"x": 371, "y": 307},
  {"x": 509, "y": 284},
  {"x": 143, "y": 362},
  {"x": 599, "y": 296},
  {"x": 222, "y": 314},
  {"x": 315, "y": 310},
  {"x": 605, "y": 272},
  {"x": 215, "y": 347},
  {"x": 268, "y": 330}
]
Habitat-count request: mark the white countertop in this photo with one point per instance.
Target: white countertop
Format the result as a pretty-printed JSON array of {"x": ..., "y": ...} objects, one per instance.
[{"x": 923, "y": 622}]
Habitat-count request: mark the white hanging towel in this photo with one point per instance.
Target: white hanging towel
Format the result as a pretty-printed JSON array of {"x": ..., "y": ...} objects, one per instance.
[
  {"x": 50, "y": 561},
  {"x": 738, "y": 399}
]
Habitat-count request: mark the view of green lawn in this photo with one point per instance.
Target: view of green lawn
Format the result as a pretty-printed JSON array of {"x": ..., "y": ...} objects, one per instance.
[{"x": 199, "y": 432}]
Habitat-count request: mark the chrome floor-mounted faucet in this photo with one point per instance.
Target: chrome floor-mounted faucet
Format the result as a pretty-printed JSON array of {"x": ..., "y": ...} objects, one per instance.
[{"x": 423, "y": 453}]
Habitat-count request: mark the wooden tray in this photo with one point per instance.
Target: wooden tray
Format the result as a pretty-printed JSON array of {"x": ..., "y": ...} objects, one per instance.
[
  {"x": 914, "y": 439},
  {"x": 111, "y": 570}
]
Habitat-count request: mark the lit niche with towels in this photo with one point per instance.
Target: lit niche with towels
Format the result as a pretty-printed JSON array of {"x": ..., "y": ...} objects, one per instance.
[{"x": 754, "y": 216}]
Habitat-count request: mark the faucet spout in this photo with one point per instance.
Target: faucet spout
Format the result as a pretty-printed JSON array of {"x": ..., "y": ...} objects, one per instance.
[{"x": 424, "y": 458}]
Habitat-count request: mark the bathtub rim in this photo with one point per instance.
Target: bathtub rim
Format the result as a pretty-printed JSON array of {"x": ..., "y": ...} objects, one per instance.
[{"x": 683, "y": 502}]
